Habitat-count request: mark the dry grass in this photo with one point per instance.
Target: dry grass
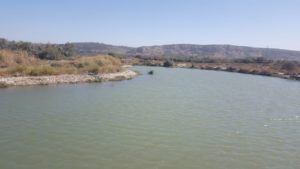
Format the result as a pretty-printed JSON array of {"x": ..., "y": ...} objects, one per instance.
[
  {"x": 20, "y": 64},
  {"x": 14, "y": 58},
  {"x": 97, "y": 64}
]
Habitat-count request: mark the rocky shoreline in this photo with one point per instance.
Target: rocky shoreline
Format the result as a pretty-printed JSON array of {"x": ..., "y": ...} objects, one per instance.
[
  {"x": 248, "y": 71},
  {"x": 253, "y": 72},
  {"x": 66, "y": 79},
  {"x": 253, "y": 69}
]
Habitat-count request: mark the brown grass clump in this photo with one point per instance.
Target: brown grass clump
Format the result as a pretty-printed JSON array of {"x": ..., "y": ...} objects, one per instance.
[{"x": 14, "y": 58}]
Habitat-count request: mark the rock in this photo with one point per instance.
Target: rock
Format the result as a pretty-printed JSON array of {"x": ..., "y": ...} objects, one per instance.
[
  {"x": 3, "y": 85},
  {"x": 151, "y": 72}
]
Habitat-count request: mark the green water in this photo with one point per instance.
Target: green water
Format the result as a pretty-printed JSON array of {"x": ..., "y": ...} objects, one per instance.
[{"x": 175, "y": 119}]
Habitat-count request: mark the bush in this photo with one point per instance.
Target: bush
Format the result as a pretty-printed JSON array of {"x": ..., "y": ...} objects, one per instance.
[
  {"x": 92, "y": 68},
  {"x": 288, "y": 65},
  {"x": 42, "y": 51},
  {"x": 3, "y": 43},
  {"x": 51, "y": 52},
  {"x": 168, "y": 63}
]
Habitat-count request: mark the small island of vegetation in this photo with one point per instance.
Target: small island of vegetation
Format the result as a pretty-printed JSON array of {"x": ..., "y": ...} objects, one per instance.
[{"x": 23, "y": 63}]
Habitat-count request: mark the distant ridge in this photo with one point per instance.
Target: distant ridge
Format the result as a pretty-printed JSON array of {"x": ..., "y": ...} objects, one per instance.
[
  {"x": 186, "y": 51},
  {"x": 173, "y": 51},
  {"x": 92, "y": 48}
]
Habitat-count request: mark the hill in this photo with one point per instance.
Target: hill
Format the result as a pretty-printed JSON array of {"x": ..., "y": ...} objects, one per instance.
[
  {"x": 188, "y": 51},
  {"x": 92, "y": 48},
  {"x": 174, "y": 51}
]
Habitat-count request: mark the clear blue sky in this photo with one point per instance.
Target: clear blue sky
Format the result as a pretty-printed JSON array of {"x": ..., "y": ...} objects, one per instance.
[{"x": 259, "y": 23}]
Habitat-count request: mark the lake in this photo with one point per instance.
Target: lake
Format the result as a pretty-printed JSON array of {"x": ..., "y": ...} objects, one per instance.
[{"x": 175, "y": 119}]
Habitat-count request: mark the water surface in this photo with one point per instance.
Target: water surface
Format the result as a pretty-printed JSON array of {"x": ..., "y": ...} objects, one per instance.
[{"x": 175, "y": 119}]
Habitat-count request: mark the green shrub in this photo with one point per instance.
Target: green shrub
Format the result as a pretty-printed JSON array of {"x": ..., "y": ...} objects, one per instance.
[
  {"x": 168, "y": 63},
  {"x": 92, "y": 68},
  {"x": 288, "y": 65},
  {"x": 80, "y": 65}
]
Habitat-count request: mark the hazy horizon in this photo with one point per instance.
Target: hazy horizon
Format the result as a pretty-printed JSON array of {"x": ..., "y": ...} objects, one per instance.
[
  {"x": 264, "y": 24},
  {"x": 150, "y": 45}
]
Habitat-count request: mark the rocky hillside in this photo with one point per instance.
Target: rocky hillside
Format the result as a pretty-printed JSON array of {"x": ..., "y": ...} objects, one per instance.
[
  {"x": 184, "y": 51},
  {"x": 189, "y": 51},
  {"x": 92, "y": 48},
  {"x": 176, "y": 51}
]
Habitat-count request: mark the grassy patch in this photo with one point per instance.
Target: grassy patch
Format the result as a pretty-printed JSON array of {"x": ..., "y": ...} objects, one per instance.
[
  {"x": 17, "y": 70},
  {"x": 20, "y": 64},
  {"x": 92, "y": 68},
  {"x": 41, "y": 70}
]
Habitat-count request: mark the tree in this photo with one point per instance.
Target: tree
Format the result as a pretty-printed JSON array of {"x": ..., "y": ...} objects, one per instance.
[
  {"x": 168, "y": 63},
  {"x": 288, "y": 65},
  {"x": 3, "y": 43},
  {"x": 24, "y": 46},
  {"x": 68, "y": 49},
  {"x": 50, "y": 52}
]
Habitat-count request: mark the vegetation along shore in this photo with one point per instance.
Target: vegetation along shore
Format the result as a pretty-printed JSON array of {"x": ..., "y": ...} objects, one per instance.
[
  {"x": 27, "y": 64},
  {"x": 256, "y": 66}
]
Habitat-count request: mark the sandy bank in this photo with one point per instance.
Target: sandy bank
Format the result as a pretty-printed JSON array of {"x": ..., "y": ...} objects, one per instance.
[{"x": 61, "y": 79}]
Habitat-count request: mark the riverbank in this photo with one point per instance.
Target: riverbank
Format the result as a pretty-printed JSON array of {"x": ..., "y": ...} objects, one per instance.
[
  {"x": 18, "y": 68},
  {"x": 66, "y": 79},
  {"x": 245, "y": 69},
  {"x": 258, "y": 70},
  {"x": 273, "y": 69}
]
